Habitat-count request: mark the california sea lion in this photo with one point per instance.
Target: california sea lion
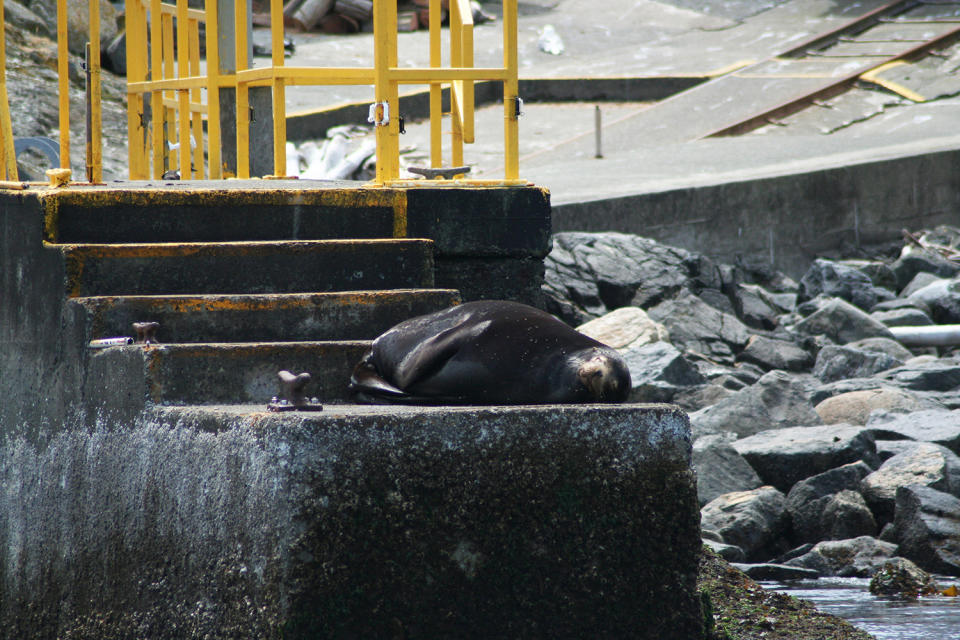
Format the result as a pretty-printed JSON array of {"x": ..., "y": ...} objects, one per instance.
[{"x": 489, "y": 352}]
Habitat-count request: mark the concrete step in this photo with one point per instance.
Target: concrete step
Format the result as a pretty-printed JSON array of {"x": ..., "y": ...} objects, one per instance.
[
  {"x": 224, "y": 211},
  {"x": 122, "y": 381},
  {"x": 247, "y": 267},
  {"x": 282, "y": 317}
]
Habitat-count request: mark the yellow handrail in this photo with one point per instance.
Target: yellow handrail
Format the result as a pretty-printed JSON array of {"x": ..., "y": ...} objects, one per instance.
[
  {"x": 8, "y": 168},
  {"x": 170, "y": 95}
]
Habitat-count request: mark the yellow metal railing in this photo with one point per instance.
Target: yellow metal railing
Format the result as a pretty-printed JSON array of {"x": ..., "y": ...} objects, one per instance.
[{"x": 171, "y": 95}]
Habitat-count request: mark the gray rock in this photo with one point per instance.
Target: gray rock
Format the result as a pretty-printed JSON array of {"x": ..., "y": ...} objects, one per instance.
[
  {"x": 842, "y": 322},
  {"x": 855, "y": 558},
  {"x": 903, "y": 317},
  {"x": 886, "y": 449},
  {"x": 784, "y": 457},
  {"x": 846, "y": 515},
  {"x": 729, "y": 552},
  {"x": 657, "y": 371},
  {"x": 809, "y": 498},
  {"x": 938, "y": 426},
  {"x": 758, "y": 308},
  {"x": 900, "y": 578},
  {"x": 718, "y": 300},
  {"x": 17, "y": 16},
  {"x": 695, "y": 398},
  {"x": 926, "y": 464},
  {"x": 927, "y": 525},
  {"x": 779, "y": 572},
  {"x": 752, "y": 520},
  {"x": 880, "y": 273},
  {"x": 720, "y": 469},
  {"x": 943, "y": 298},
  {"x": 696, "y": 326},
  {"x": 921, "y": 374},
  {"x": 775, "y": 354},
  {"x": 856, "y": 407},
  {"x": 919, "y": 281},
  {"x": 843, "y": 362},
  {"x": 624, "y": 328},
  {"x": 883, "y": 345},
  {"x": 821, "y": 392},
  {"x": 842, "y": 281},
  {"x": 777, "y": 400},
  {"x": 901, "y": 303},
  {"x": 914, "y": 259}
]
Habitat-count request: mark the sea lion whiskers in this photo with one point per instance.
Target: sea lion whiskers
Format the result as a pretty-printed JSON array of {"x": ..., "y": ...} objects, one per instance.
[{"x": 598, "y": 376}]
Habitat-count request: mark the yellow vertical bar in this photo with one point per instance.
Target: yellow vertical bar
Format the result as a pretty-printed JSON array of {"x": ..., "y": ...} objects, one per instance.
[
  {"x": 96, "y": 157},
  {"x": 466, "y": 60},
  {"x": 436, "y": 89},
  {"x": 196, "y": 124},
  {"x": 157, "y": 112},
  {"x": 456, "y": 113},
  {"x": 136, "y": 72},
  {"x": 279, "y": 91},
  {"x": 511, "y": 90},
  {"x": 169, "y": 115},
  {"x": 243, "y": 102},
  {"x": 63, "y": 78},
  {"x": 213, "y": 92},
  {"x": 183, "y": 95},
  {"x": 386, "y": 90},
  {"x": 8, "y": 168}
]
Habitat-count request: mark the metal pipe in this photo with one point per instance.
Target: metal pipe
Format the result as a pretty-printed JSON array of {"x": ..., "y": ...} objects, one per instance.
[
  {"x": 597, "y": 126},
  {"x": 940, "y": 335}
]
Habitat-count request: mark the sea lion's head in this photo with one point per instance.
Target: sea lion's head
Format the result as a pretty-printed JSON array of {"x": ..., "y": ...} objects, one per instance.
[{"x": 605, "y": 376}]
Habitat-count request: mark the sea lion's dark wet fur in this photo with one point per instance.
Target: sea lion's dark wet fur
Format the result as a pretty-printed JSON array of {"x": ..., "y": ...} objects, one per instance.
[{"x": 489, "y": 352}]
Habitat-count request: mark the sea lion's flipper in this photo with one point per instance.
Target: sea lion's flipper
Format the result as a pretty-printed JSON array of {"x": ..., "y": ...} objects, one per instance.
[
  {"x": 365, "y": 380},
  {"x": 434, "y": 353}
]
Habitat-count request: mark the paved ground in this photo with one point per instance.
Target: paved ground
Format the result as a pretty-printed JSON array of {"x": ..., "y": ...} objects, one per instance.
[{"x": 646, "y": 149}]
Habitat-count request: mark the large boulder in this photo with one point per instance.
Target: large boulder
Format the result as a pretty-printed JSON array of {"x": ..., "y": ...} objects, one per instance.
[
  {"x": 846, "y": 515},
  {"x": 843, "y": 362},
  {"x": 777, "y": 400},
  {"x": 914, "y": 260},
  {"x": 720, "y": 469},
  {"x": 858, "y": 557},
  {"x": 883, "y": 345},
  {"x": 943, "y": 299},
  {"x": 900, "y": 578},
  {"x": 784, "y": 457},
  {"x": 696, "y": 326},
  {"x": 759, "y": 308},
  {"x": 842, "y": 322},
  {"x": 938, "y": 426},
  {"x": 925, "y": 374},
  {"x": 842, "y": 281},
  {"x": 808, "y": 500},
  {"x": 856, "y": 407},
  {"x": 927, "y": 526},
  {"x": 590, "y": 274},
  {"x": 753, "y": 520},
  {"x": 926, "y": 464},
  {"x": 903, "y": 317},
  {"x": 770, "y": 353},
  {"x": 625, "y": 328},
  {"x": 658, "y": 371}
]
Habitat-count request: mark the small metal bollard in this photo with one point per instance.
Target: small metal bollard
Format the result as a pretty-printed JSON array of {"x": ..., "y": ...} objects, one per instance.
[
  {"x": 433, "y": 174},
  {"x": 292, "y": 394},
  {"x": 146, "y": 332}
]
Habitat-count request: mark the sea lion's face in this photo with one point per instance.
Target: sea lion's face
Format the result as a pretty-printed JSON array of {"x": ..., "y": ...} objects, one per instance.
[{"x": 603, "y": 379}]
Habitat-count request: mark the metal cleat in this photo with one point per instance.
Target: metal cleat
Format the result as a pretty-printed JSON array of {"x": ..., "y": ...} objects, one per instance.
[
  {"x": 146, "y": 332},
  {"x": 292, "y": 394},
  {"x": 433, "y": 174}
]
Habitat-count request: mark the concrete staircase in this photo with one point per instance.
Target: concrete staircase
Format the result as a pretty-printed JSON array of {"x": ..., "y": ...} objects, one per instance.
[{"x": 237, "y": 307}]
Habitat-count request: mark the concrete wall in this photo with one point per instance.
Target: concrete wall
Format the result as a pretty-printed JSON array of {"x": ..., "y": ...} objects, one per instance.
[
  {"x": 787, "y": 220},
  {"x": 559, "y": 522}
]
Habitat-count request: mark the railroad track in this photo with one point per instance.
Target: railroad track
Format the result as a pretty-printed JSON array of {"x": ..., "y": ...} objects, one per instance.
[{"x": 830, "y": 63}]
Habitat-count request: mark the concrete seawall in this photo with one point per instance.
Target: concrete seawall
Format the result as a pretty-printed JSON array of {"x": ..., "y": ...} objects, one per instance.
[{"x": 560, "y": 522}]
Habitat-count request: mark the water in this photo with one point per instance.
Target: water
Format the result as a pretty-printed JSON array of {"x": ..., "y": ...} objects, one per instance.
[{"x": 929, "y": 618}]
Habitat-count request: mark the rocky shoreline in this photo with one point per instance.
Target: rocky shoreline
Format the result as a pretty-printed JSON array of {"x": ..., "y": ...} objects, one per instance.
[{"x": 823, "y": 445}]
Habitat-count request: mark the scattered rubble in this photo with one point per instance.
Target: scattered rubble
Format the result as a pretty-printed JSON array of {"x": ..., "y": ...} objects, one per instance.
[{"x": 815, "y": 429}]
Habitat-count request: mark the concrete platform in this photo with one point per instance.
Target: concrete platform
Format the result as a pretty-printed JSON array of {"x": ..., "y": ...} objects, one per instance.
[{"x": 506, "y": 522}]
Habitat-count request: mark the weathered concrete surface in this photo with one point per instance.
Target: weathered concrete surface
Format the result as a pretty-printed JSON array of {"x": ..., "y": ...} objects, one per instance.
[{"x": 560, "y": 522}]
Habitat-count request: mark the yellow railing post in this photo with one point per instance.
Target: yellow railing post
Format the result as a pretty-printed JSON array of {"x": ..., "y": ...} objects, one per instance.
[
  {"x": 8, "y": 168},
  {"x": 456, "y": 61},
  {"x": 386, "y": 92},
  {"x": 243, "y": 96},
  {"x": 511, "y": 90},
  {"x": 63, "y": 83},
  {"x": 183, "y": 94},
  {"x": 436, "y": 88},
  {"x": 196, "y": 121},
  {"x": 136, "y": 25},
  {"x": 213, "y": 92},
  {"x": 95, "y": 153},
  {"x": 157, "y": 111},
  {"x": 279, "y": 91}
]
